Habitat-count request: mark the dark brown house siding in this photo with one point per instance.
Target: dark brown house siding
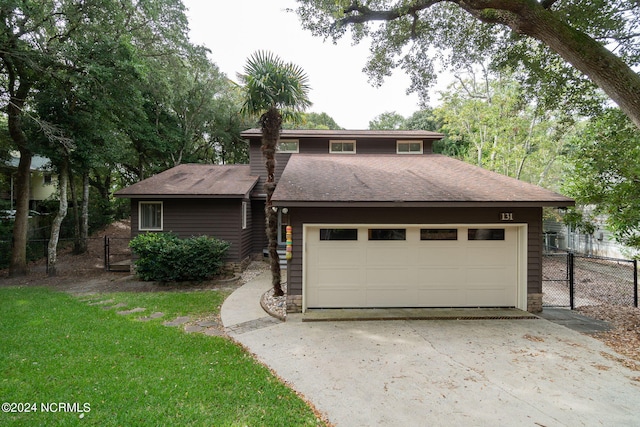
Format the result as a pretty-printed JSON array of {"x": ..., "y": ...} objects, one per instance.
[
  {"x": 219, "y": 218},
  {"x": 259, "y": 241},
  {"x": 530, "y": 216}
]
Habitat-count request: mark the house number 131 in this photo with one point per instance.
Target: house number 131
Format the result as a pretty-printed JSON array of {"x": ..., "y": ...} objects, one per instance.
[{"x": 506, "y": 216}]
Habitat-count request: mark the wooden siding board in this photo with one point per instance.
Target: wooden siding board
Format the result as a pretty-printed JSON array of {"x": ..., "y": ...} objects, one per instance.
[
  {"x": 530, "y": 216},
  {"x": 219, "y": 218}
]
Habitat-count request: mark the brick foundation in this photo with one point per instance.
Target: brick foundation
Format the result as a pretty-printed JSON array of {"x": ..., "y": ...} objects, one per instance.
[
  {"x": 534, "y": 303},
  {"x": 294, "y": 303}
]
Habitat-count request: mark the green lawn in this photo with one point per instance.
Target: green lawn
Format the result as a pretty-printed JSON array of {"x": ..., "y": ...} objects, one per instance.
[{"x": 55, "y": 348}]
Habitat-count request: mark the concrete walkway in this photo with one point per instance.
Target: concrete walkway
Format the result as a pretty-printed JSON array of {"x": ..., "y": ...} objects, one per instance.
[{"x": 507, "y": 372}]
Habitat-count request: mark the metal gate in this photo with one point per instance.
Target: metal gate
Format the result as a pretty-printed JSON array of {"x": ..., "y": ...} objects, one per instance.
[
  {"x": 574, "y": 280},
  {"x": 117, "y": 254}
]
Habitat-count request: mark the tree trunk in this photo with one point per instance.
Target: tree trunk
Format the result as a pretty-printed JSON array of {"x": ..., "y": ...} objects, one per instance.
[
  {"x": 271, "y": 122},
  {"x": 84, "y": 229},
  {"x": 76, "y": 214},
  {"x": 63, "y": 180},
  {"x": 18, "y": 266}
]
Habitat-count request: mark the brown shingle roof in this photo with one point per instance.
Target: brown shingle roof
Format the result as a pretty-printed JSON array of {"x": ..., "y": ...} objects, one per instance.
[
  {"x": 360, "y": 134},
  {"x": 424, "y": 180},
  {"x": 195, "y": 180}
]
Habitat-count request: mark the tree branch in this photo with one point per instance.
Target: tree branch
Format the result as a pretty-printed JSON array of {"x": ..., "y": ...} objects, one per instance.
[
  {"x": 365, "y": 14},
  {"x": 546, "y": 4}
]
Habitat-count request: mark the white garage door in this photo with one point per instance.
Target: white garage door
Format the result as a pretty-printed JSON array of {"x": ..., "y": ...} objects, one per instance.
[{"x": 411, "y": 266}]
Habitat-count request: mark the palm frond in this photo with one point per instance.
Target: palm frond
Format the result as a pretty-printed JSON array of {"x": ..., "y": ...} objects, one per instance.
[{"x": 269, "y": 82}]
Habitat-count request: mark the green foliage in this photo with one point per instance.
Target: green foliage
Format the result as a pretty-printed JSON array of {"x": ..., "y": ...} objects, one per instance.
[
  {"x": 389, "y": 120},
  {"x": 605, "y": 173},
  {"x": 489, "y": 122},
  {"x": 164, "y": 257},
  {"x": 426, "y": 38},
  {"x": 313, "y": 121},
  {"x": 269, "y": 82}
]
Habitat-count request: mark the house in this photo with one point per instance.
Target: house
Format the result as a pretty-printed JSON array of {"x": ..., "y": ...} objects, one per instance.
[
  {"x": 377, "y": 220},
  {"x": 42, "y": 185}
]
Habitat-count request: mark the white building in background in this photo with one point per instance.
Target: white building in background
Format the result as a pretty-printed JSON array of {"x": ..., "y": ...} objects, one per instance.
[
  {"x": 600, "y": 243},
  {"x": 44, "y": 183}
]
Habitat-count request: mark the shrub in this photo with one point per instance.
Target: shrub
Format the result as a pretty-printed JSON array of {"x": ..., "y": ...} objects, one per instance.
[{"x": 164, "y": 257}]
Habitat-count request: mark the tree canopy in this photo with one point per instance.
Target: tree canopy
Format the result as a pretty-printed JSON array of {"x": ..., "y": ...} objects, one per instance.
[
  {"x": 606, "y": 175},
  {"x": 563, "y": 49},
  {"x": 111, "y": 91}
]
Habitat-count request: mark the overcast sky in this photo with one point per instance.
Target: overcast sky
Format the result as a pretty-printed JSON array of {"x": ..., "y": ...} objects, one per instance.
[{"x": 233, "y": 30}]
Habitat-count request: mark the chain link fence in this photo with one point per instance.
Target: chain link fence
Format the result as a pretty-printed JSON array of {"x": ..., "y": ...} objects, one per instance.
[{"x": 574, "y": 280}]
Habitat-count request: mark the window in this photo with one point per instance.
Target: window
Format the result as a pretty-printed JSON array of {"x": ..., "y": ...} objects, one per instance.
[
  {"x": 387, "y": 234},
  {"x": 438, "y": 234},
  {"x": 244, "y": 215},
  {"x": 409, "y": 147},
  {"x": 342, "y": 147},
  {"x": 338, "y": 234},
  {"x": 47, "y": 179},
  {"x": 288, "y": 146},
  {"x": 150, "y": 216},
  {"x": 486, "y": 234}
]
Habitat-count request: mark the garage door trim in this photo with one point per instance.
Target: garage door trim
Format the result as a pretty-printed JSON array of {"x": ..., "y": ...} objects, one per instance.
[{"x": 521, "y": 245}]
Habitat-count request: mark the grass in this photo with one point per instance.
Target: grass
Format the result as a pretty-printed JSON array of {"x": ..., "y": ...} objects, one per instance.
[{"x": 56, "y": 348}]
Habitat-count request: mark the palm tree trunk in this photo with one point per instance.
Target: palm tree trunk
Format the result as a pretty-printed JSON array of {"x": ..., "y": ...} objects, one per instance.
[{"x": 271, "y": 122}]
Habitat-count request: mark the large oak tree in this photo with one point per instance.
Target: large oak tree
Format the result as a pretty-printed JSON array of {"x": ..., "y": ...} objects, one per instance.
[{"x": 598, "y": 38}]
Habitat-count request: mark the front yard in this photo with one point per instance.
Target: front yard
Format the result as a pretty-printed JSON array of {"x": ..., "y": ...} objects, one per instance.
[{"x": 76, "y": 361}]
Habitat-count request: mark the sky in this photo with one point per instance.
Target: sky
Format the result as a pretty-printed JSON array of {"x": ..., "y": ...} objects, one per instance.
[{"x": 234, "y": 29}]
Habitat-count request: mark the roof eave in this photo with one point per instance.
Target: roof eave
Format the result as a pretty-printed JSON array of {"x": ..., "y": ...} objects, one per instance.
[{"x": 402, "y": 204}]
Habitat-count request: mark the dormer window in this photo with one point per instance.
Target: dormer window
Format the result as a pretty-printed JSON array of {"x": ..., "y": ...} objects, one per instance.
[
  {"x": 342, "y": 147},
  {"x": 288, "y": 146},
  {"x": 409, "y": 147}
]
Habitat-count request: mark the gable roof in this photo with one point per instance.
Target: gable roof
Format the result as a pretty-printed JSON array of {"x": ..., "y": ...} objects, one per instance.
[
  {"x": 377, "y": 180},
  {"x": 338, "y": 134},
  {"x": 195, "y": 180}
]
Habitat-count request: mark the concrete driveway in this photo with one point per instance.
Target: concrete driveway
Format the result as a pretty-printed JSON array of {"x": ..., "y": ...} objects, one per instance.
[{"x": 440, "y": 372}]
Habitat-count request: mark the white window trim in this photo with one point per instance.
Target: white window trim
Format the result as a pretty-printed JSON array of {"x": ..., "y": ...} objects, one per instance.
[
  {"x": 410, "y": 142},
  {"x": 343, "y": 140},
  {"x": 140, "y": 228},
  {"x": 244, "y": 215},
  {"x": 297, "y": 142}
]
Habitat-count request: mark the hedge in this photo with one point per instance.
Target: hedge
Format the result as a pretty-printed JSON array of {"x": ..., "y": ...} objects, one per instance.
[{"x": 164, "y": 257}]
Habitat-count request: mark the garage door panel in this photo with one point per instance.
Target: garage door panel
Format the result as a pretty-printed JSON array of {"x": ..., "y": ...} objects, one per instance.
[
  {"x": 488, "y": 274},
  {"x": 427, "y": 275},
  {"x": 399, "y": 277},
  {"x": 439, "y": 297},
  {"x": 438, "y": 255},
  {"x": 339, "y": 276},
  {"x": 386, "y": 256},
  {"x": 389, "y": 297},
  {"x": 412, "y": 272},
  {"x": 337, "y": 256},
  {"x": 338, "y": 297},
  {"x": 488, "y": 297}
]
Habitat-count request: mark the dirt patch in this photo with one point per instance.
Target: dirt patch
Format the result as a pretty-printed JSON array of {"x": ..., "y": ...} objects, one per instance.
[
  {"x": 625, "y": 337},
  {"x": 85, "y": 273}
]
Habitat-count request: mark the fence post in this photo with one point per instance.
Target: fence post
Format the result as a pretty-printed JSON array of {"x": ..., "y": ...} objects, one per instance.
[
  {"x": 635, "y": 283},
  {"x": 45, "y": 251},
  {"x": 106, "y": 253},
  {"x": 570, "y": 263}
]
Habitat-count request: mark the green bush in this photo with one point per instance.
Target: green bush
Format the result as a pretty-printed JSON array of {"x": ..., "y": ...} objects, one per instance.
[{"x": 164, "y": 257}]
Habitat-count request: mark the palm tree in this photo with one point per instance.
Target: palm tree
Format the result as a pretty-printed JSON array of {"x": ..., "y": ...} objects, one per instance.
[{"x": 273, "y": 91}]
